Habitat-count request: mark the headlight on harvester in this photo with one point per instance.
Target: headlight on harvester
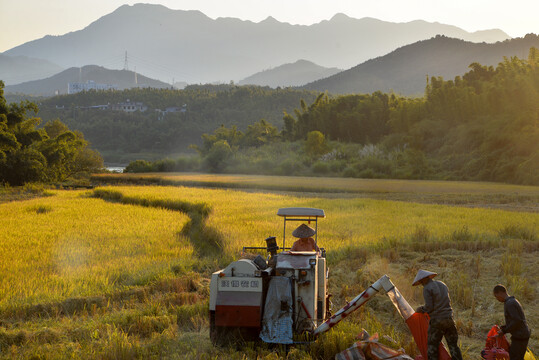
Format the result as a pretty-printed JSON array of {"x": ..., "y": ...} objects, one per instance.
[{"x": 312, "y": 262}]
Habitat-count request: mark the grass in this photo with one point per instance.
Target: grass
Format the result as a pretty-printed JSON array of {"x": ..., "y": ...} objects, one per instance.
[
  {"x": 517, "y": 232},
  {"x": 481, "y": 194},
  {"x": 332, "y": 184},
  {"x": 28, "y": 191},
  {"x": 246, "y": 219},
  {"x": 70, "y": 245},
  {"x": 122, "y": 272}
]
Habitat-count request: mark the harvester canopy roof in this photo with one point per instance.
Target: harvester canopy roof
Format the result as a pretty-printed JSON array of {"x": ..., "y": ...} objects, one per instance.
[{"x": 299, "y": 211}]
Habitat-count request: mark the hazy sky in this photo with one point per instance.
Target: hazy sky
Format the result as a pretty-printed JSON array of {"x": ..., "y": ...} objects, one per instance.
[{"x": 25, "y": 20}]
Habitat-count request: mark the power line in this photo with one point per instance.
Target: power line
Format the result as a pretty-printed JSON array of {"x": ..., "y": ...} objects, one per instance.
[
  {"x": 115, "y": 62},
  {"x": 128, "y": 59}
]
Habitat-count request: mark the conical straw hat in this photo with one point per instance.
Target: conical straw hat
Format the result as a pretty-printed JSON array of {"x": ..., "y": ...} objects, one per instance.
[
  {"x": 303, "y": 231},
  {"x": 421, "y": 274}
]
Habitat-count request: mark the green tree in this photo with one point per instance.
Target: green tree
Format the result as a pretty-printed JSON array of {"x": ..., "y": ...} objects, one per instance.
[
  {"x": 315, "y": 144},
  {"x": 29, "y": 153},
  {"x": 259, "y": 134},
  {"x": 218, "y": 156}
]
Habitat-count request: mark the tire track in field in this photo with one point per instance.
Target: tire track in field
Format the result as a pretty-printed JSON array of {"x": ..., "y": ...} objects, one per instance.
[{"x": 206, "y": 240}]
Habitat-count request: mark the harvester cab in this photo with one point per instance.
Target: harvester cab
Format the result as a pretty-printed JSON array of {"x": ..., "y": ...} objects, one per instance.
[{"x": 275, "y": 297}]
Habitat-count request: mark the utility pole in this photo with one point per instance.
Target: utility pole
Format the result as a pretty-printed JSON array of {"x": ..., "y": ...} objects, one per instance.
[{"x": 125, "y": 62}]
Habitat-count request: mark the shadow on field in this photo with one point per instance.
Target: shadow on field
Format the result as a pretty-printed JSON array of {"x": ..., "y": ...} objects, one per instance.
[
  {"x": 207, "y": 241},
  {"x": 178, "y": 291}
]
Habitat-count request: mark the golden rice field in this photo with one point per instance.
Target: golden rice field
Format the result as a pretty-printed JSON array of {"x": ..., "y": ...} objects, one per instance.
[
  {"x": 462, "y": 193},
  {"x": 246, "y": 219},
  {"x": 122, "y": 272},
  {"x": 69, "y": 245},
  {"x": 329, "y": 183}
]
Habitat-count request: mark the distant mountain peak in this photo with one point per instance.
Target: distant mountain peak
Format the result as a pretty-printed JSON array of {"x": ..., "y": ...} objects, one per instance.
[
  {"x": 270, "y": 19},
  {"x": 303, "y": 61},
  {"x": 340, "y": 17},
  {"x": 139, "y": 7},
  {"x": 158, "y": 9},
  {"x": 187, "y": 45},
  {"x": 290, "y": 74}
]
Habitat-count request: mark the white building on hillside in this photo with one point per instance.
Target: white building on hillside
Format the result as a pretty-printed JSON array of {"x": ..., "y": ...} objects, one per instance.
[
  {"x": 75, "y": 87},
  {"x": 129, "y": 106}
]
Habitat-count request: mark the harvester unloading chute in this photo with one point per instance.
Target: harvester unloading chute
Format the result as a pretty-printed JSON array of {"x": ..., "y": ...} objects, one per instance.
[
  {"x": 356, "y": 303},
  {"x": 417, "y": 323},
  {"x": 288, "y": 293}
]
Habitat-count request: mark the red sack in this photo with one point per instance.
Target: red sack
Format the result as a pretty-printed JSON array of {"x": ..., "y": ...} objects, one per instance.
[
  {"x": 419, "y": 326},
  {"x": 496, "y": 347},
  {"x": 496, "y": 342}
]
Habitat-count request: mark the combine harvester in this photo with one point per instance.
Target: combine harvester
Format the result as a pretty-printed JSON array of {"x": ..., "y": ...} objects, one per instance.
[{"x": 287, "y": 294}]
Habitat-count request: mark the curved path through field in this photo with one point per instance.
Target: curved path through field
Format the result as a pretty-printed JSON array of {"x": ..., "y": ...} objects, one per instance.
[{"x": 206, "y": 240}]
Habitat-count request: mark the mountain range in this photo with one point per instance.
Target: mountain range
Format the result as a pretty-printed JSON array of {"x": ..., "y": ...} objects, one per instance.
[
  {"x": 177, "y": 45},
  {"x": 405, "y": 70},
  {"x": 57, "y": 84}
]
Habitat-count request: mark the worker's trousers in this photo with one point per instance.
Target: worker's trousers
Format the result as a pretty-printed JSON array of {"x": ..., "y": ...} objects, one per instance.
[
  {"x": 517, "y": 349},
  {"x": 439, "y": 328}
]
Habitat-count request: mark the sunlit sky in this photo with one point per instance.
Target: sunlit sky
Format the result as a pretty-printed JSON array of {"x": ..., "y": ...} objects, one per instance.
[{"x": 25, "y": 20}]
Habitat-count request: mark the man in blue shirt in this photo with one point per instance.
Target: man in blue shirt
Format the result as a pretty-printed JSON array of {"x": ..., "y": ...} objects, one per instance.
[
  {"x": 515, "y": 323},
  {"x": 438, "y": 306}
]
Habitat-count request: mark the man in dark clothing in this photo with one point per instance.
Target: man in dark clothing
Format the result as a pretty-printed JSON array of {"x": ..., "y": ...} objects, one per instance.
[
  {"x": 438, "y": 306},
  {"x": 515, "y": 323}
]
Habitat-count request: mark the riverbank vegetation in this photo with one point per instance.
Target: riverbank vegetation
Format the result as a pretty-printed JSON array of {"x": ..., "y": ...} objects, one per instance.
[{"x": 481, "y": 126}]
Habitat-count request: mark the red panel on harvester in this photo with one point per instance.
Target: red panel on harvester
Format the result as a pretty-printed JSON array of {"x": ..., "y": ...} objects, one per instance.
[
  {"x": 241, "y": 316},
  {"x": 242, "y": 309}
]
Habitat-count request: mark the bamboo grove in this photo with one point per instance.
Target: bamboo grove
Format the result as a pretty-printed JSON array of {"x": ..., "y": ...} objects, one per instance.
[{"x": 481, "y": 126}]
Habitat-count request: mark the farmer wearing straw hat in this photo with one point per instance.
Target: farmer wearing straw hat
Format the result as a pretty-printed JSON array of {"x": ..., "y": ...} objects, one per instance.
[
  {"x": 305, "y": 241},
  {"x": 438, "y": 306}
]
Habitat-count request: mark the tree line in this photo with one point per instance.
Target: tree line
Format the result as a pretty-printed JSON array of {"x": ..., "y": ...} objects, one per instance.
[
  {"x": 483, "y": 125},
  {"x": 122, "y": 136},
  {"x": 479, "y": 126}
]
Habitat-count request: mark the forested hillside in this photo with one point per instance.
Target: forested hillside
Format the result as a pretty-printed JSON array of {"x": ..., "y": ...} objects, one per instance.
[
  {"x": 481, "y": 126},
  {"x": 403, "y": 70},
  {"x": 121, "y": 137},
  {"x": 57, "y": 84}
]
